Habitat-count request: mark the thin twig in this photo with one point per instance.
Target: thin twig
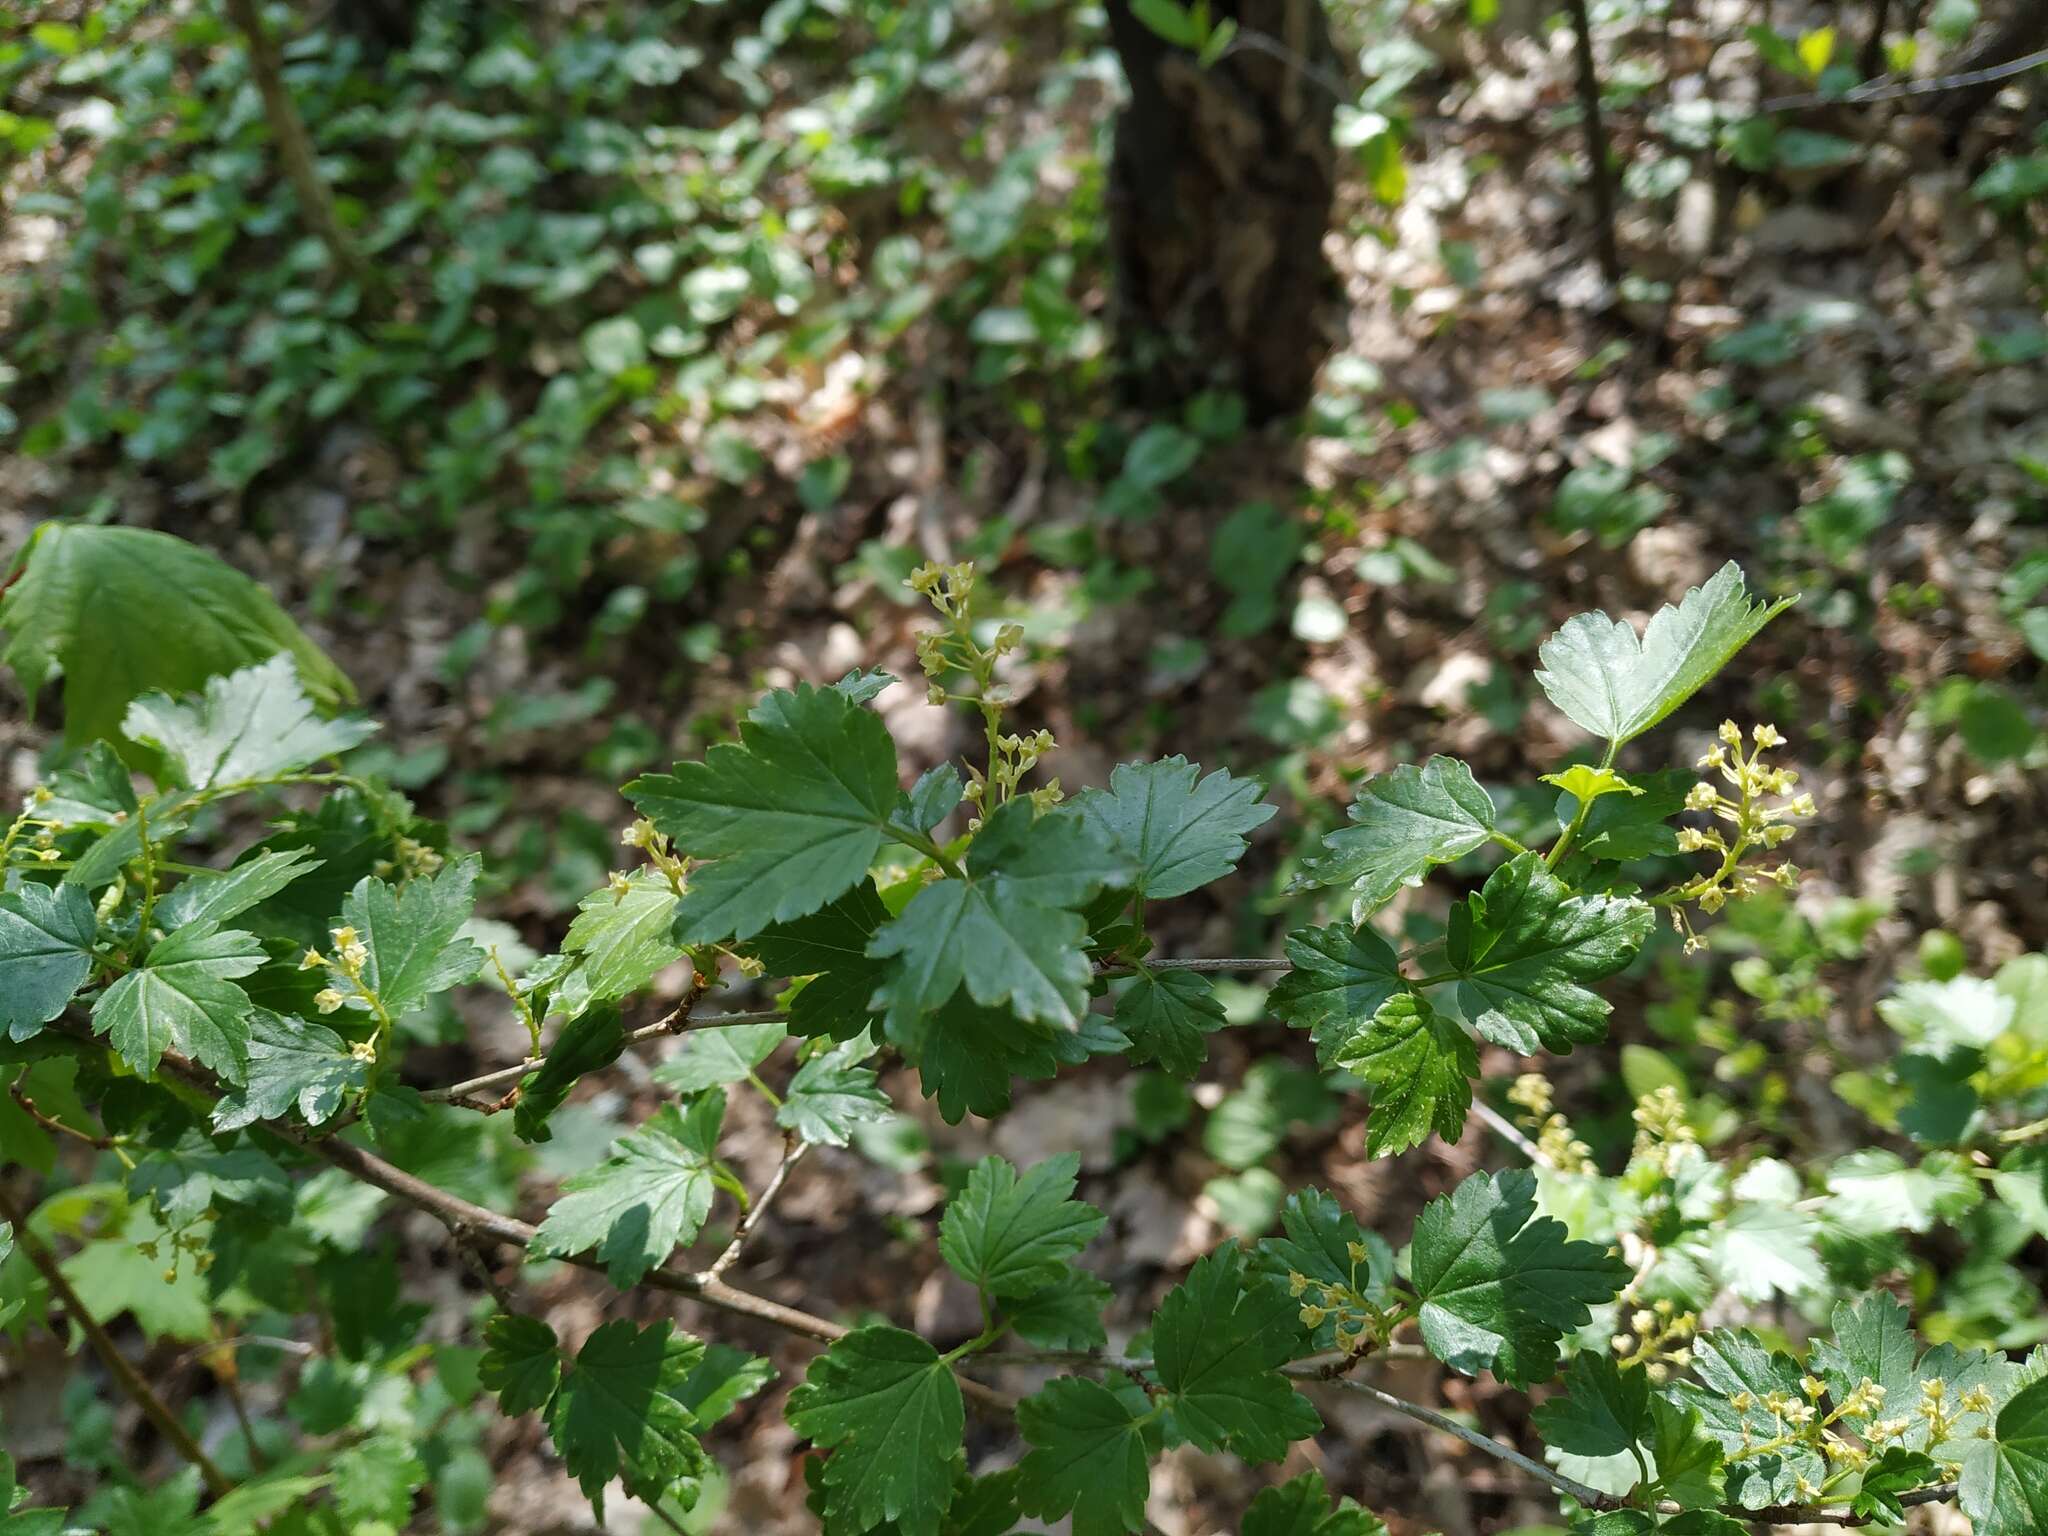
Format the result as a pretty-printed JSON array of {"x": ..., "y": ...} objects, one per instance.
[
  {"x": 125, "y": 1375},
  {"x": 792, "y": 1154},
  {"x": 1509, "y": 1132},
  {"x": 1880, "y": 90},
  {"x": 665, "y": 1025}
]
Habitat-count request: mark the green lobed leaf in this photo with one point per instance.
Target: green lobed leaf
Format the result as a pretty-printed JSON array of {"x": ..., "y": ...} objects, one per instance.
[
  {"x": 520, "y": 1362},
  {"x": 618, "y": 1412},
  {"x": 1602, "y": 1409},
  {"x": 830, "y": 946},
  {"x": 374, "y": 1482},
  {"x": 1063, "y": 1314},
  {"x": 1500, "y": 1285},
  {"x": 1405, "y": 823},
  {"x": 128, "y": 611},
  {"x": 1523, "y": 948},
  {"x": 2004, "y": 1483},
  {"x": 1325, "y": 1245},
  {"x": 1007, "y": 932},
  {"x": 1418, "y": 1068},
  {"x": 1301, "y": 1507},
  {"x": 183, "y": 997},
  {"x": 623, "y": 938},
  {"x": 214, "y": 898},
  {"x": 291, "y": 1065},
  {"x": 185, "y": 1181},
  {"x": 650, "y": 1194},
  {"x": 830, "y": 1095},
  {"x": 1008, "y": 1234},
  {"x": 1177, "y": 829},
  {"x": 888, "y": 1409},
  {"x": 788, "y": 818},
  {"x": 249, "y": 725},
  {"x": 1737, "y": 1367},
  {"x": 46, "y": 939},
  {"x": 1342, "y": 977},
  {"x": 1167, "y": 1015},
  {"x": 1218, "y": 1340},
  {"x": 1091, "y": 1445},
  {"x": 1615, "y": 684},
  {"x": 413, "y": 934},
  {"x": 711, "y": 1058}
]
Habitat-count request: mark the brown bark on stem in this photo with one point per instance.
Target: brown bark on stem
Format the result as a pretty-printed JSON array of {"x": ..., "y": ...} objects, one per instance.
[{"x": 1600, "y": 172}]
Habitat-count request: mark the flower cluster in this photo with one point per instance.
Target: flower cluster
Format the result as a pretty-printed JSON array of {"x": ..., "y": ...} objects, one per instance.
[
  {"x": 346, "y": 965},
  {"x": 1799, "y": 1419},
  {"x": 1756, "y": 805},
  {"x": 643, "y": 834},
  {"x": 1556, "y": 1143},
  {"x": 1359, "y": 1324},
  {"x": 1659, "y": 1338},
  {"x": 410, "y": 858}
]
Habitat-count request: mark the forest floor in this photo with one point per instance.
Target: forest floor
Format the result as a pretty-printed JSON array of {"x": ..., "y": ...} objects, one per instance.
[{"x": 1835, "y": 375}]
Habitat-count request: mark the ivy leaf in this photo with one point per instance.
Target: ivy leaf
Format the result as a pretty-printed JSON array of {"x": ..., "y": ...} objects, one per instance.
[
  {"x": 212, "y": 898},
  {"x": 623, "y": 938},
  {"x": 1418, "y": 1067},
  {"x": 1405, "y": 823},
  {"x": 1218, "y": 1340},
  {"x": 292, "y": 1064},
  {"x": 1178, "y": 831},
  {"x": 1010, "y": 1235},
  {"x": 830, "y": 946},
  {"x": 1007, "y": 931},
  {"x": 183, "y": 997},
  {"x": 588, "y": 1043},
  {"x": 520, "y": 1362},
  {"x": 711, "y": 1058},
  {"x": 1616, "y": 685},
  {"x": 888, "y": 1409},
  {"x": 46, "y": 938},
  {"x": 649, "y": 1195},
  {"x": 92, "y": 601},
  {"x": 790, "y": 816},
  {"x": 253, "y": 724},
  {"x": 1737, "y": 1367},
  {"x": 1301, "y": 1507},
  {"x": 619, "y": 1412},
  {"x": 1064, "y": 1314},
  {"x": 829, "y": 1096},
  {"x": 1342, "y": 977},
  {"x": 1167, "y": 1014},
  {"x": 1500, "y": 1285},
  {"x": 1602, "y": 1410},
  {"x": 413, "y": 934},
  {"x": 1523, "y": 948},
  {"x": 1091, "y": 1448}
]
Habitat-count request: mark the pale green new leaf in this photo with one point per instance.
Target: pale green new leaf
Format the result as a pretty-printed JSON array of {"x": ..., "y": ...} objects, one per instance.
[
  {"x": 250, "y": 725},
  {"x": 1166, "y": 1016},
  {"x": 1616, "y": 685},
  {"x": 1418, "y": 1068},
  {"x": 46, "y": 938},
  {"x": 1007, "y": 931},
  {"x": 623, "y": 938},
  {"x": 1524, "y": 947},
  {"x": 1404, "y": 824},
  {"x": 292, "y": 1065},
  {"x": 1011, "y": 1235},
  {"x": 711, "y": 1058},
  {"x": 650, "y": 1194},
  {"x": 1091, "y": 1445},
  {"x": 830, "y": 1095},
  {"x": 1500, "y": 1285},
  {"x": 216, "y": 898},
  {"x": 1342, "y": 976},
  {"x": 413, "y": 934},
  {"x": 1219, "y": 1339},
  {"x": 128, "y": 611},
  {"x": 183, "y": 997},
  {"x": 888, "y": 1409},
  {"x": 1730, "y": 1365},
  {"x": 789, "y": 817},
  {"x": 1177, "y": 830}
]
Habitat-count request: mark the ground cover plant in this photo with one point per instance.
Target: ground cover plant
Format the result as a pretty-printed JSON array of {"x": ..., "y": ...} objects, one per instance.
[{"x": 235, "y": 1039}]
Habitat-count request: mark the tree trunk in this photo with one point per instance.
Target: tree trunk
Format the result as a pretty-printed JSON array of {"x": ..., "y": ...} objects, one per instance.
[{"x": 1221, "y": 186}]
